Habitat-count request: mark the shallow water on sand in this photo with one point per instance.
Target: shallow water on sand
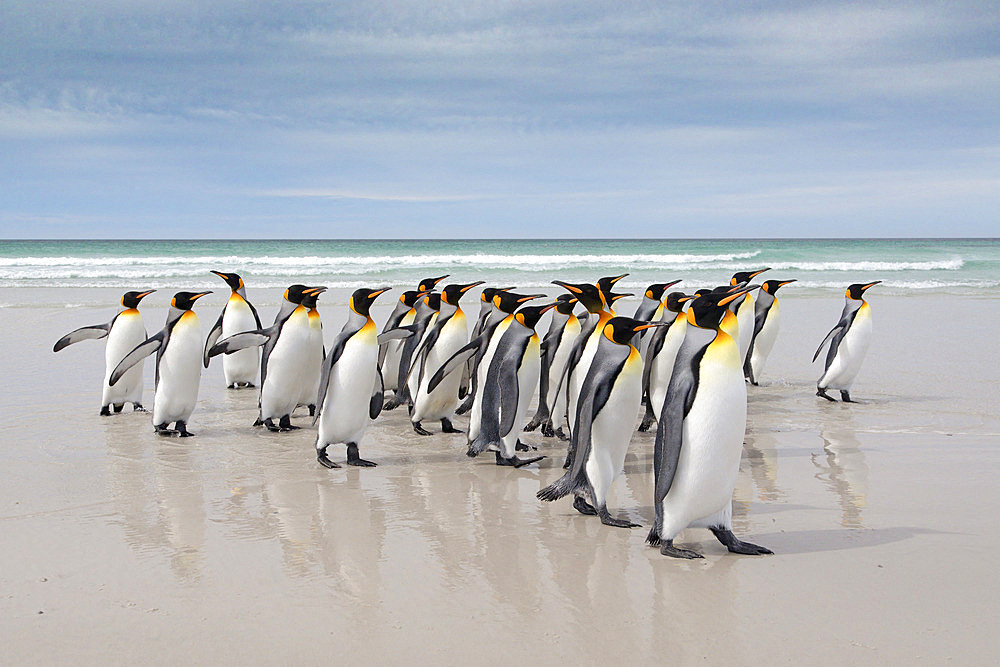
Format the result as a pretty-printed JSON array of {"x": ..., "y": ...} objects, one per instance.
[{"x": 236, "y": 546}]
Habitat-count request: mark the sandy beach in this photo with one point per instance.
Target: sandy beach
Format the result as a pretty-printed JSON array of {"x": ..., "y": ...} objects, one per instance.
[{"x": 236, "y": 546}]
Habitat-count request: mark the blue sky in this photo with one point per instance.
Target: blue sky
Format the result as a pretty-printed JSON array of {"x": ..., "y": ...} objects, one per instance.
[{"x": 198, "y": 119}]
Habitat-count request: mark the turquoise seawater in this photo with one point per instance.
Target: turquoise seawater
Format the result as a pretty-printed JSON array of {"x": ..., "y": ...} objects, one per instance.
[{"x": 904, "y": 265}]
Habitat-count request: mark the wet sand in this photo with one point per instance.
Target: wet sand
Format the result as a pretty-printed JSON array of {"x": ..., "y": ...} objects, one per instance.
[{"x": 235, "y": 546}]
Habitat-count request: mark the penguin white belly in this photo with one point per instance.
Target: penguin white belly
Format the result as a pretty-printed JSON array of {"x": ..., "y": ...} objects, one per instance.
[
  {"x": 580, "y": 372},
  {"x": 443, "y": 401},
  {"x": 180, "y": 372},
  {"x": 612, "y": 430},
  {"x": 850, "y": 353},
  {"x": 745, "y": 317},
  {"x": 557, "y": 407},
  {"x": 393, "y": 354},
  {"x": 310, "y": 379},
  {"x": 712, "y": 443},
  {"x": 527, "y": 380},
  {"x": 240, "y": 366},
  {"x": 476, "y": 414},
  {"x": 765, "y": 340},
  {"x": 286, "y": 365},
  {"x": 413, "y": 379},
  {"x": 344, "y": 415},
  {"x": 127, "y": 332},
  {"x": 662, "y": 367}
]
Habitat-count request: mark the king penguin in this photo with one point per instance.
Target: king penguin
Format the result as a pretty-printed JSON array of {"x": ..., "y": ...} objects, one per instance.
[
  {"x": 425, "y": 309},
  {"x": 350, "y": 387},
  {"x": 448, "y": 333},
  {"x": 658, "y": 364},
  {"x": 316, "y": 352},
  {"x": 745, "y": 310},
  {"x": 849, "y": 341},
  {"x": 237, "y": 316},
  {"x": 699, "y": 437},
  {"x": 388, "y": 353},
  {"x": 178, "y": 365},
  {"x": 488, "y": 313},
  {"x": 651, "y": 309},
  {"x": 609, "y": 399},
  {"x": 124, "y": 332},
  {"x": 563, "y": 331},
  {"x": 285, "y": 359},
  {"x": 765, "y": 329}
]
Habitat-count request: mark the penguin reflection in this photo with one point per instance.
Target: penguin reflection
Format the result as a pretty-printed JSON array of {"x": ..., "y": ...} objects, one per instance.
[{"x": 844, "y": 471}]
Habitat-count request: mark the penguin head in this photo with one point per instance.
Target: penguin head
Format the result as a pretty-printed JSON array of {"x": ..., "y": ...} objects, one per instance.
[
  {"x": 656, "y": 290},
  {"x": 185, "y": 300},
  {"x": 433, "y": 301},
  {"x": 857, "y": 290},
  {"x": 232, "y": 279},
  {"x": 490, "y": 292},
  {"x": 565, "y": 303},
  {"x": 612, "y": 297},
  {"x": 132, "y": 299},
  {"x": 452, "y": 294},
  {"x": 708, "y": 309},
  {"x": 427, "y": 284},
  {"x": 362, "y": 299},
  {"x": 529, "y": 315},
  {"x": 409, "y": 297},
  {"x": 588, "y": 295},
  {"x": 605, "y": 284},
  {"x": 508, "y": 302},
  {"x": 621, "y": 329},
  {"x": 745, "y": 276},
  {"x": 310, "y": 295},
  {"x": 676, "y": 301},
  {"x": 772, "y": 286},
  {"x": 295, "y": 293},
  {"x": 703, "y": 291}
]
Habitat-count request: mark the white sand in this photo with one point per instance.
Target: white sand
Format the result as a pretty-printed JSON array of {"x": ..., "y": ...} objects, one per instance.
[{"x": 235, "y": 546}]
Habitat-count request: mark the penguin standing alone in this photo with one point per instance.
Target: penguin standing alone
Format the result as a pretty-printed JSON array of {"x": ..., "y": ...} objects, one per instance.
[
  {"x": 178, "y": 365},
  {"x": 609, "y": 399},
  {"x": 849, "y": 341},
  {"x": 237, "y": 316},
  {"x": 124, "y": 332},
  {"x": 765, "y": 329},
  {"x": 699, "y": 437}
]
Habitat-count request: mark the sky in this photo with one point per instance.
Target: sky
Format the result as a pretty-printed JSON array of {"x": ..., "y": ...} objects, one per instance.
[{"x": 366, "y": 119}]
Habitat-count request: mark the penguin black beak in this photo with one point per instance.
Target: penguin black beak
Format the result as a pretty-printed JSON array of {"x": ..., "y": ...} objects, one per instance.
[
  {"x": 143, "y": 295},
  {"x": 435, "y": 281},
  {"x": 574, "y": 288},
  {"x": 465, "y": 288},
  {"x": 865, "y": 287},
  {"x": 667, "y": 286},
  {"x": 224, "y": 276},
  {"x": 615, "y": 297},
  {"x": 786, "y": 282},
  {"x": 615, "y": 279},
  {"x": 529, "y": 297},
  {"x": 199, "y": 295},
  {"x": 757, "y": 273},
  {"x": 737, "y": 293},
  {"x": 383, "y": 290},
  {"x": 648, "y": 325},
  {"x": 548, "y": 308},
  {"x": 314, "y": 290}
]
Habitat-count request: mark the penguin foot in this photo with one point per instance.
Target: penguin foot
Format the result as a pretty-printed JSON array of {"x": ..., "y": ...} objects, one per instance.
[
  {"x": 846, "y": 397},
  {"x": 270, "y": 425},
  {"x": 515, "y": 462},
  {"x": 285, "y": 424},
  {"x": 822, "y": 393},
  {"x": 609, "y": 520},
  {"x": 391, "y": 404},
  {"x": 532, "y": 425},
  {"x": 119, "y": 407},
  {"x": 583, "y": 507},
  {"x": 161, "y": 429},
  {"x": 105, "y": 411},
  {"x": 521, "y": 447},
  {"x": 547, "y": 431},
  {"x": 312, "y": 410},
  {"x": 559, "y": 433},
  {"x": 464, "y": 407},
  {"x": 448, "y": 427},
  {"x": 647, "y": 422},
  {"x": 235, "y": 385},
  {"x": 354, "y": 460},
  {"x": 137, "y": 407},
  {"x": 420, "y": 430},
  {"x": 258, "y": 422},
  {"x": 667, "y": 548},
  {"x": 733, "y": 543},
  {"x": 321, "y": 457},
  {"x": 182, "y": 430}
]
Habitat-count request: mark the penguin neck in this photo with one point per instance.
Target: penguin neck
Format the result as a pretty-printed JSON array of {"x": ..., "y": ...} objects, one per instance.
[
  {"x": 174, "y": 314},
  {"x": 765, "y": 299},
  {"x": 355, "y": 320},
  {"x": 241, "y": 292},
  {"x": 558, "y": 321},
  {"x": 447, "y": 310},
  {"x": 852, "y": 305},
  {"x": 287, "y": 308}
]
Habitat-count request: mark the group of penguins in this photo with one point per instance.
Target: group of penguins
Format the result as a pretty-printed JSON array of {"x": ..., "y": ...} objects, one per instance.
[{"x": 687, "y": 357}]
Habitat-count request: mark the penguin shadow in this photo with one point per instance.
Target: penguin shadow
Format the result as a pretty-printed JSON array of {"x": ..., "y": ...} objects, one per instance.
[
  {"x": 816, "y": 541},
  {"x": 843, "y": 469}
]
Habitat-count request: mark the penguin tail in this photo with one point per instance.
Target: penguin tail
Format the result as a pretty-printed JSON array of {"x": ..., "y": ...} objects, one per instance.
[{"x": 563, "y": 486}]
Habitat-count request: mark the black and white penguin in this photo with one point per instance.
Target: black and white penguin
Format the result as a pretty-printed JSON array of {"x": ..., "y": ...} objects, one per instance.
[
  {"x": 284, "y": 361},
  {"x": 507, "y": 387},
  {"x": 848, "y": 344},
  {"x": 564, "y": 328},
  {"x": 350, "y": 387},
  {"x": 389, "y": 353},
  {"x": 237, "y": 316},
  {"x": 426, "y": 310},
  {"x": 765, "y": 329},
  {"x": 178, "y": 365},
  {"x": 605, "y": 284},
  {"x": 651, "y": 308},
  {"x": 745, "y": 310},
  {"x": 469, "y": 371},
  {"x": 609, "y": 399},
  {"x": 658, "y": 364},
  {"x": 448, "y": 333},
  {"x": 316, "y": 352},
  {"x": 699, "y": 437},
  {"x": 124, "y": 332}
]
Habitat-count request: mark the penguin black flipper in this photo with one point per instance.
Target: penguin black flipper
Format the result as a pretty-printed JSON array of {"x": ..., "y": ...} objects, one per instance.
[
  {"x": 835, "y": 336},
  {"x": 141, "y": 351},
  {"x": 656, "y": 341},
  {"x": 336, "y": 350},
  {"x": 213, "y": 336},
  {"x": 377, "y": 400},
  {"x": 93, "y": 332},
  {"x": 509, "y": 389},
  {"x": 256, "y": 317},
  {"x": 399, "y": 333},
  {"x": 464, "y": 353},
  {"x": 670, "y": 429},
  {"x": 420, "y": 354}
]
